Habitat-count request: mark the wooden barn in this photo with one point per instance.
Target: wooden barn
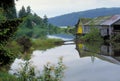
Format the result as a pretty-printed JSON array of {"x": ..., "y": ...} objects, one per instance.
[{"x": 108, "y": 25}]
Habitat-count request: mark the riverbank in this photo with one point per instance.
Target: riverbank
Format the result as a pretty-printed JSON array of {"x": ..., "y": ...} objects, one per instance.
[{"x": 16, "y": 52}]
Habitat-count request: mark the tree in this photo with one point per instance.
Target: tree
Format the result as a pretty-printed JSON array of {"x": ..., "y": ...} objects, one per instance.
[
  {"x": 22, "y": 12},
  {"x": 9, "y": 8},
  {"x": 28, "y": 10},
  {"x": 2, "y": 16},
  {"x": 45, "y": 19},
  {"x": 25, "y": 43}
]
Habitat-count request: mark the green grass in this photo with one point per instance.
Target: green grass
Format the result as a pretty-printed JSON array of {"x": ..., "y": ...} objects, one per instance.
[
  {"x": 43, "y": 44},
  {"x": 4, "y": 76}
]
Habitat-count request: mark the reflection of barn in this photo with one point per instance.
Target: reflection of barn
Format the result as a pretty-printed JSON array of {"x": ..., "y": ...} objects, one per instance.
[
  {"x": 110, "y": 50},
  {"x": 108, "y": 25},
  {"x": 106, "y": 53}
]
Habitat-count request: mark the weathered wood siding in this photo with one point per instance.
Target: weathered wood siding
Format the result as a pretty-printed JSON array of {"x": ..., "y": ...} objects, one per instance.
[{"x": 104, "y": 30}]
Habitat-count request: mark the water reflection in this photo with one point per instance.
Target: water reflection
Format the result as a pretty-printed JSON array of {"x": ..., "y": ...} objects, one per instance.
[
  {"x": 108, "y": 52},
  {"x": 103, "y": 66}
]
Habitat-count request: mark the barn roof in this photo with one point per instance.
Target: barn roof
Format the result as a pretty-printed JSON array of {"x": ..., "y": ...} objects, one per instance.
[
  {"x": 104, "y": 20},
  {"x": 111, "y": 20}
]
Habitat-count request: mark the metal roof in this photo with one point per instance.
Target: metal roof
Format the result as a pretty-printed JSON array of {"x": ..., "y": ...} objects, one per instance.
[
  {"x": 112, "y": 20},
  {"x": 104, "y": 20}
]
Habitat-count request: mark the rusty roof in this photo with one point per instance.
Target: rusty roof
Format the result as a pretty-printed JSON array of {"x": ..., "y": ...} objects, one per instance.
[{"x": 103, "y": 20}]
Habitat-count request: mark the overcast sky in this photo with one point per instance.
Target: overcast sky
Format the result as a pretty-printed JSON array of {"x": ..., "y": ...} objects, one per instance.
[{"x": 58, "y": 7}]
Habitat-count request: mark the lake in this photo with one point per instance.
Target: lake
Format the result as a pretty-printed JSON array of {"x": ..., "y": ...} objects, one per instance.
[{"x": 84, "y": 62}]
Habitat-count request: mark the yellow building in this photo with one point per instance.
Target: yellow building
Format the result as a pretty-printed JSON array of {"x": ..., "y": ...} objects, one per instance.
[{"x": 79, "y": 28}]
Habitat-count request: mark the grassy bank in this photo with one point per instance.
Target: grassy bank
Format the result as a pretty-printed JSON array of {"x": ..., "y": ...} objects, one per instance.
[
  {"x": 16, "y": 51},
  {"x": 43, "y": 44}
]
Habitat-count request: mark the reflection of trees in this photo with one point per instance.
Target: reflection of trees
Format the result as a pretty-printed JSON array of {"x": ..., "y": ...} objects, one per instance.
[{"x": 88, "y": 49}]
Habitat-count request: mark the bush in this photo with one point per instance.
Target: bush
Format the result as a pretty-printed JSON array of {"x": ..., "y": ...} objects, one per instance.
[
  {"x": 49, "y": 73},
  {"x": 6, "y": 54},
  {"x": 93, "y": 35},
  {"x": 116, "y": 38},
  {"x": 25, "y": 43}
]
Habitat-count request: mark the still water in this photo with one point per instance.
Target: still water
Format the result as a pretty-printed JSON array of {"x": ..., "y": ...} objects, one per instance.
[{"x": 84, "y": 62}]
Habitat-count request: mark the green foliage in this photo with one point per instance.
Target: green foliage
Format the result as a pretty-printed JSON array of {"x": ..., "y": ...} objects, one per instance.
[
  {"x": 45, "y": 19},
  {"x": 115, "y": 38},
  {"x": 4, "y": 76},
  {"x": 93, "y": 35},
  {"x": 8, "y": 28},
  {"x": 8, "y": 52},
  {"x": 2, "y": 16},
  {"x": 22, "y": 12},
  {"x": 35, "y": 27},
  {"x": 27, "y": 73},
  {"x": 28, "y": 10},
  {"x": 9, "y": 8},
  {"x": 25, "y": 43},
  {"x": 50, "y": 72},
  {"x": 93, "y": 47}
]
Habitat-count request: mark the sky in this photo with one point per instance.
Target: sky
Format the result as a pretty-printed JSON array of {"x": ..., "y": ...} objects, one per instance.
[{"x": 53, "y": 8}]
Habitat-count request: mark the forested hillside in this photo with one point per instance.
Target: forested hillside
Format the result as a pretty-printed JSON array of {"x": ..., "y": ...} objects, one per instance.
[{"x": 72, "y": 18}]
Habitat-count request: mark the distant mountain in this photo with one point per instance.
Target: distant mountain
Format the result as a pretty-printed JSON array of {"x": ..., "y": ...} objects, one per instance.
[{"x": 72, "y": 18}]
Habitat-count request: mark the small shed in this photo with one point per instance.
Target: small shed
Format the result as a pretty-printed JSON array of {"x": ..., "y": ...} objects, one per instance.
[{"x": 108, "y": 25}]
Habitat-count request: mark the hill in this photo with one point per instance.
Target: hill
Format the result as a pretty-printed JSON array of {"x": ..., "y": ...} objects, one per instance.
[{"x": 72, "y": 18}]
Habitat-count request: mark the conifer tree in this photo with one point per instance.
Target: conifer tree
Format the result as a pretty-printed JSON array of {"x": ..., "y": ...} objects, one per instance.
[
  {"x": 28, "y": 10},
  {"x": 45, "y": 19},
  {"x": 22, "y": 12}
]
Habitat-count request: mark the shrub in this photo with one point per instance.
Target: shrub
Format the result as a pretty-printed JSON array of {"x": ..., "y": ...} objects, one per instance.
[
  {"x": 49, "y": 73},
  {"x": 93, "y": 35},
  {"x": 25, "y": 43}
]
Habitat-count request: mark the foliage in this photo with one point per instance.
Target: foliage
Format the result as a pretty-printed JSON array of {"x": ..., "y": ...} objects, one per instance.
[
  {"x": 28, "y": 10},
  {"x": 8, "y": 28},
  {"x": 4, "y": 76},
  {"x": 22, "y": 12},
  {"x": 9, "y": 8},
  {"x": 50, "y": 72},
  {"x": 8, "y": 52},
  {"x": 2, "y": 16},
  {"x": 34, "y": 26},
  {"x": 45, "y": 19},
  {"x": 93, "y": 35},
  {"x": 25, "y": 43},
  {"x": 115, "y": 38},
  {"x": 93, "y": 47},
  {"x": 27, "y": 73}
]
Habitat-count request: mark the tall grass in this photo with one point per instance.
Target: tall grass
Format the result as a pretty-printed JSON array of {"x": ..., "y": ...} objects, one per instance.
[{"x": 43, "y": 44}]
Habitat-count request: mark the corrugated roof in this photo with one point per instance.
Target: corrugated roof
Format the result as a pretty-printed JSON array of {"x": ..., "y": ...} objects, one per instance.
[
  {"x": 104, "y": 20},
  {"x": 112, "y": 20}
]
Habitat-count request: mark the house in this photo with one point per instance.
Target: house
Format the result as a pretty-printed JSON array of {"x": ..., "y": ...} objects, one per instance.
[{"x": 108, "y": 25}]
